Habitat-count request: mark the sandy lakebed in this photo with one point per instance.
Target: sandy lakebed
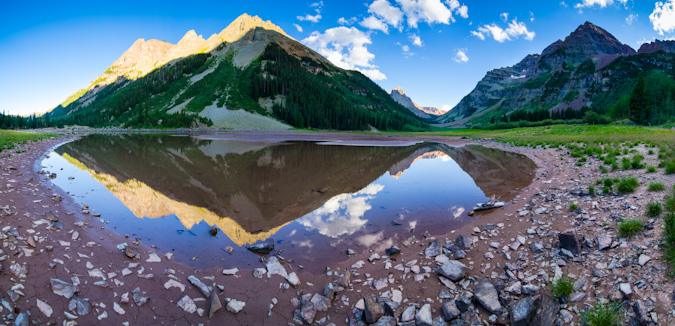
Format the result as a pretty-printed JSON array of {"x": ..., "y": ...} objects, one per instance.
[{"x": 62, "y": 265}]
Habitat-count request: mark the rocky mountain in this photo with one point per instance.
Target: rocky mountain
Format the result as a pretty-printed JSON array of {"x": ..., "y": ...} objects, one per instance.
[
  {"x": 423, "y": 112},
  {"x": 251, "y": 75},
  {"x": 567, "y": 76}
]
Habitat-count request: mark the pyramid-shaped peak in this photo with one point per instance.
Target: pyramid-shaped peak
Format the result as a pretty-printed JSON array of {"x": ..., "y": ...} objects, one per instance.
[
  {"x": 398, "y": 90},
  {"x": 592, "y": 39},
  {"x": 243, "y": 24}
]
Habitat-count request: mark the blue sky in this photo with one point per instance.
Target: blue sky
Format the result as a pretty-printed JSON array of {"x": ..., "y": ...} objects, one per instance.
[{"x": 436, "y": 50}]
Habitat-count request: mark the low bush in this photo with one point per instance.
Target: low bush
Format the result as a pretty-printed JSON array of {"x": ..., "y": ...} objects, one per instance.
[
  {"x": 627, "y": 185},
  {"x": 629, "y": 228}
]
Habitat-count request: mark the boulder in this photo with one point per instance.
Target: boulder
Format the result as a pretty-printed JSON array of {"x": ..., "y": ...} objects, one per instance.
[
  {"x": 450, "y": 310},
  {"x": 373, "y": 311},
  {"x": 486, "y": 294},
  {"x": 453, "y": 270},
  {"x": 545, "y": 311},
  {"x": 520, "y": 311},
  {"x": 463, "y": 242},
  {"x": 568, "y": 240},
  {"x": 423, "y": 316}
]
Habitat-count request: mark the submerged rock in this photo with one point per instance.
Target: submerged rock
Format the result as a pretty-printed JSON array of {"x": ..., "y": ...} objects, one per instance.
[
  {"x": 264, "y": 247},
  {"x": 393, "y": 250}
]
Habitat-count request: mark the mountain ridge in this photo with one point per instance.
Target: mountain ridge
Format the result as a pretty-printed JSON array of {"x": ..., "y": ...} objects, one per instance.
[{"x": 423, "y": 112}]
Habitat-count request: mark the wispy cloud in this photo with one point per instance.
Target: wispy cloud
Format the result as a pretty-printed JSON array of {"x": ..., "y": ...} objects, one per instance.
[
  {"x": 515, "y": 30},
  {"x": 344, "y": 21},
  {"x": 416, "y": 40},
  {"x": 631, "y": 18},
  {"x": 460, "y": 56},
  {"x": 318, "y": 6},
  {"x": 298, "y": 27},
  {"x": 375, "y": 24}
]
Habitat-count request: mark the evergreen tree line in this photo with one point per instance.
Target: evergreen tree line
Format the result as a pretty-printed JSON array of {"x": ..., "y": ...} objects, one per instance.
[
  {"x": 8, "y": 121},
  {"x": 314, "y": 101}
]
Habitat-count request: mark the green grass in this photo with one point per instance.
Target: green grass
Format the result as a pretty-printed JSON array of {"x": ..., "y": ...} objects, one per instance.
[
  {"x": 651, "y": 169},
  {"x": 9, "y": 139},
  {"x": 591, "y": 190},
  {"x": 630, "y": 227},
  {"x": 654, "y": 209},
  {"x": 602, "y": 315},
  {"x": 563, "y": 287},
  {"x": 627, "y": 185},
  {"x": 573, "y": 207},
  {"x": 669, "y": 240},
  {"x": 656, "y": 186},
  {"x": 669, "y": 204}
]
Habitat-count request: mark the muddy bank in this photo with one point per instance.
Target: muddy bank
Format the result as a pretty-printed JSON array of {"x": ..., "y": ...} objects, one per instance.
[{"x": 513, "y": 247}]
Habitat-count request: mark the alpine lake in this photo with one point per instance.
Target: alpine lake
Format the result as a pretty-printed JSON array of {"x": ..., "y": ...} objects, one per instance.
[{"x": 198, "y": 196}]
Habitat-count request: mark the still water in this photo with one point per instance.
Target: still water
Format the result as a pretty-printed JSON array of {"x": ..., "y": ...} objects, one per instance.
[{"x": 314, "y": 199}]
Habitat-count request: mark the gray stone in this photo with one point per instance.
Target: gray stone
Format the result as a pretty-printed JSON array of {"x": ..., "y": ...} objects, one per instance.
[
  {"x": 486, "y": 294},
  {"x": 643, "y": 259},
  {"x": 373, "y": 311},
  {"x": 459, "y": 322},
  {"x": 579, "y": 284},
  {"x": 293, "y": 279},
  {"x": 464, "y": 302},
  {"x": 516, "y": 288},
  {"x": 640, "y": 313},
  {"x": 264, "y": 247},
  {"x": 577, "y": 296},
  {"x": 537, "y": 247},
  {"x": 386, "y": 321},
  {"x": 274, "y": 267},
  {"x": 568, "y": 240},
  {"x": 408, "y": 314},
  {"x": 423, "y": 316},
  {"x": 530, "y": 289},
  {"x": 200, "y": 285},
  {"x": 626, "y": 289},
  {"x": 453, "y": 270},
  {"x": 439, "y": 321},
  {"x": 214, "y": 304},
  {"x": 79, "y": 305},
  {"x": 432, "y": 250},
  {"x": 450, "y": 310},
  {"x": 320, "y": 302},
  {"x": 464, "y": 242},
  {"x": 235, "y": 306},
  {"x": 393, "y": 250},
  {"x": 63, "y": 289},
  {"x": 604, "y": 241},
  {"x": 520, "y": 311},
  {"x": 139, "y": 298},
  {"x": 545, "y": 311},
  {"x": 187, "y": 304},
  {"x": 22, "y": 319}
]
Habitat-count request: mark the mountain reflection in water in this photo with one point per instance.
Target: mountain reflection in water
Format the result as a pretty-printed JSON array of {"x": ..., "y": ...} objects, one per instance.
[{"x": 255, "y": 190}]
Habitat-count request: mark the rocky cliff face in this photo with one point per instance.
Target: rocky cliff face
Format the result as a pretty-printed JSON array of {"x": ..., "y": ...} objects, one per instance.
[
  {"x": 555, "y": 80},
  {"x": 423, "y": 112},
  {"x": 657, "y": 45}
]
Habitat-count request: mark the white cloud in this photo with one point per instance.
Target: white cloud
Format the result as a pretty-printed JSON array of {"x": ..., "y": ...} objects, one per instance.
[
  {"x": 499, "y": 34},
  {"x": 313, "y": 18},
  {"x": 504, "y": 16},
  {"x": 416, "y": 40},
  {"x": 298, "y": 27},
  {"x": 460, "y": 56},
  {"x": 601, "y": 3},
  {"x": 631, "y": 18},
  {"x": 388, "y": 13},
  {"x": 345, "y": 47},
  {"x": 463, "y": 11},
  {"x": 373, "y": 23},
  {"x": 531, "y": 16},
  {"x": 405, "y": 48},
  {"x": 428, "y": 11},
  {"x": 350, "y": 21},
  {"x": 663, "y": 17},
  {"x": 446, "y": 107}
]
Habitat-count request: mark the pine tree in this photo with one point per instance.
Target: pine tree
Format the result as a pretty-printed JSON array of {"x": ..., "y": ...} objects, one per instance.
[{"x": 638, "y": 101}]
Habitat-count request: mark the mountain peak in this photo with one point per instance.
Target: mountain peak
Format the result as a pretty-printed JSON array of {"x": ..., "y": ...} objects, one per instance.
[
  {"x": 398, "y": 90},
  {"x": 658, "y": 45},
  {"x": 243, "y": 24},
  {"x": 594, "y": 40}
]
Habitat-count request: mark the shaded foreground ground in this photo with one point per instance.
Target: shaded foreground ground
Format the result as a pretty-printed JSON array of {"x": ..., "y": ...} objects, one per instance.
[{"x": 78, "y": 248}]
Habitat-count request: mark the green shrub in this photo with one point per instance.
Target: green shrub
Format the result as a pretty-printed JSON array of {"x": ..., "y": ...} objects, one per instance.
[
  {"x": 654, "y": 209},
  {"x": 670, "y": 167},
  {"x": 630, "y": 227},
  {"x": 651, "y": 169},
  {"x": 563, "y": 287},
  {"x": 602, "y": 315},
  {"x": 606, "y": 190},
  {"x": 656, "y": 186},
  {"x": 669, "y": 204},
  {"x": 627, "y": 185},
  {"x": 626, "y": 164},
  {"x": 650, "y": 152},
  {"x": 669, "y": 239},
  {"x": 615, "y": 166},
  {"x": 591, "y": 190},
  {"x": 573, "y": 207},
  {"x": 603, "y": 169}
]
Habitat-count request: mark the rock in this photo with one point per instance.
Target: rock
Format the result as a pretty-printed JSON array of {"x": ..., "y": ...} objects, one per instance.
[
  {"x": 235, "y": 306},
  {"x": 213, "y": 231},
  {"x": 577, "y": 296},
  {"x": 80, "y": 306},
  {"x": 139, "y": 298},
  {"x": 432, "y": 249},
  {"x": 545, "y": 311},
  {"x": 408, "y": 314},
  {"x": 293, "y": 279},
  {"x": 393, "y": 250},
  {"x": 450, "y": 310},
  {"x": 423, "y": 316},
  {"x": 63, "y": 289},
  {"x": 129, "y": 252},
  {"x": 264, "y": 247},
  {"x": 153, "y": 258},
  {"x": 351, "y": 252},
  {"x": 626, "y": 289},
  {"x": 231, "y": 271},
  {"x": 358, "y": 264},
  {"x": 568, "y": 241},
  {"x": 22, "y": 319},
  {"x": 516, "y": 288},
  {"x": 320, "y": 302},
  {"x": 463, "y": 242},
  {"x": 486, "y": 294},
  {"x": 386, "y": 321},
  {"x": 536, "y": 247},
  {"x": 640, "y": 313},
  {"x": 200, "y": 285},
  {"x": 373, "y": 311},
  {"x": 520, "y": 311},
  {"x": 530, "y": 289},
  {"x": 439, "y": 321},
  {"x": 118, "y": 309},
  {"x": 214, "y": 304},
  {"x": 643, "y": 259},
  {"x": 453, "y": 270},
  {"x": 380, "y": 284},
  {"x": 604, "y": 241},
  {"x": 187, "y": 304},
  {"x": 464, "y": 302},
  {"x": 274, "y": 267},
  {"x": 44, "y": 308}
]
